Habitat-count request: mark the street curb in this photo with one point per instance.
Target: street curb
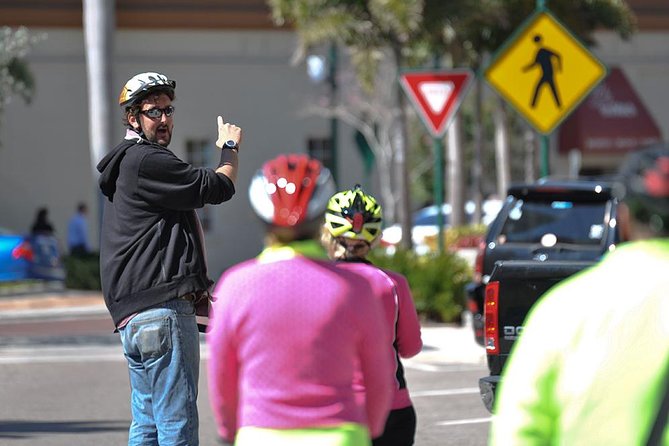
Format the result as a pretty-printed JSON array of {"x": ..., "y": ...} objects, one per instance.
[
  {"x": 48, "y": 303},
  {"x": 443, "y": 344}
]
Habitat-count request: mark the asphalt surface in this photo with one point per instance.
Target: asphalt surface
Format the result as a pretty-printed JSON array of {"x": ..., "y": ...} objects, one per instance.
[{"x": 65, "y": 379}]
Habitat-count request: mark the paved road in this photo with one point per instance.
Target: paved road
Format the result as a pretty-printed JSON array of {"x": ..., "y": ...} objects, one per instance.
[{"x": 64, "y": 381}]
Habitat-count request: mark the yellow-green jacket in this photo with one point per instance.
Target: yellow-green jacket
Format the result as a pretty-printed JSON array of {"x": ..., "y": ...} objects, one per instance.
[{"x": 592, "y": 363}]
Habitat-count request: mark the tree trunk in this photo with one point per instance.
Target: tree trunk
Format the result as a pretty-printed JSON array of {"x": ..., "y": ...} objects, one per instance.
[
  {"x": 400, "y": 144},
  {"x": 501, "y": 148},
  {"x": 477, "y": 168},
  {"x": 384, "y": 169},
  {"x": 455, "y": 189},
  {"x": 99, "y": 34},
  {"x": 99, "y": 23}
]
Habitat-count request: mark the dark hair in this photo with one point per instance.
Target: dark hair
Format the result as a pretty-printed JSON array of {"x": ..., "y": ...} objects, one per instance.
[
  {"x": 41, "y": 224},
  {"x": 308, "y": 230}
]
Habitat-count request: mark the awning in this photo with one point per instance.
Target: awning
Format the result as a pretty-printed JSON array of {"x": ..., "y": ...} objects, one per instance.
[{"x": 612, "y": 119}]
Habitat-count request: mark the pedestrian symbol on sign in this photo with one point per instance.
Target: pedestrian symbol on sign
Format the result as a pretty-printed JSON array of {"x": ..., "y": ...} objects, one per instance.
[{"x": 544, "y": 59}]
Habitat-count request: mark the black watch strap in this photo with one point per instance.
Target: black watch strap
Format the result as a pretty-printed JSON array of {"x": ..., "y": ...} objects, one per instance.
[{"x": 231, "y": 144}]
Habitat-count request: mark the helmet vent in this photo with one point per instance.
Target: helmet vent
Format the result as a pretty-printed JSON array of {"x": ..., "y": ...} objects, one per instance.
[{"x": 358, "y": 221}]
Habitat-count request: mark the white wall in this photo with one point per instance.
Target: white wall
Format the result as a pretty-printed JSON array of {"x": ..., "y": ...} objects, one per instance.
[{"x": 244, "y": 76}]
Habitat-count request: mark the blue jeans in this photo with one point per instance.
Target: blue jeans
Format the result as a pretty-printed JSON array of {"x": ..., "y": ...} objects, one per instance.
[{"x": 162, "y": 347}]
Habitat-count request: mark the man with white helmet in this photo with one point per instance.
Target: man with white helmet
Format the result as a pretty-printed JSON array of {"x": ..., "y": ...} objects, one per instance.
[{"x": 152, "y": 257}]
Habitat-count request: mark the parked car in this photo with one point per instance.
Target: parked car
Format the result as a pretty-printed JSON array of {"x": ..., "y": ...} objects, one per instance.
[
  {"x": 572, "y": 220},
  {"x": 425, "y": 224},
  {"x": 29, "y": 257}
]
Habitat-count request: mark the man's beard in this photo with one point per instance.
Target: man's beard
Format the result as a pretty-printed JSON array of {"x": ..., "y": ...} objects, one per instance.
[{"x": 163, "y": 140}]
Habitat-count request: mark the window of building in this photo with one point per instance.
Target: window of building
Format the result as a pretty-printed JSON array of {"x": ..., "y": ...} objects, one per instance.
[
  {"x": 321, "y": 149},
  {"x": 201, "y": 153}
]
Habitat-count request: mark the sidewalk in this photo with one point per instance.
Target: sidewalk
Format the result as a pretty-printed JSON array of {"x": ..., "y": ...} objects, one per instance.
[
  {"x": 51, "y": 302},
  {"x": 443, "y": 344}
]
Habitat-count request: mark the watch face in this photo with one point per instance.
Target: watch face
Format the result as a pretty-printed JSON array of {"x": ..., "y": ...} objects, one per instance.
[{"x": 231, "y": 143}]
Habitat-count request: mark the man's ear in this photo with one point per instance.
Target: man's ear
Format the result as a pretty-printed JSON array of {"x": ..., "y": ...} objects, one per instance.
[
  {"x": 624, "y": 223},
  {"x": 134, "y": 121}
]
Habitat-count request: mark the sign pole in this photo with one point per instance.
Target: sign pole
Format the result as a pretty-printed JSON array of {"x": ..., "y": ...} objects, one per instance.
[
  {"x": 543, "y": 139},
  {"x": 439, "y": 189},
  {"x": 544, "y": 144},
  {"x": 438, "y": 145}
]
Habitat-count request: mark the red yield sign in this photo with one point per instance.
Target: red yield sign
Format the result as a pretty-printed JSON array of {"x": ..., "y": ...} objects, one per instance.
[{"x": 437, "y": 95}]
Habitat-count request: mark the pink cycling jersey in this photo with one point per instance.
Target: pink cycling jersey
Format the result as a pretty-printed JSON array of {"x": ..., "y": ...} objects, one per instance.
[
  {"x": 285, "y": 339},
  {"x": 392, "y": 290}
]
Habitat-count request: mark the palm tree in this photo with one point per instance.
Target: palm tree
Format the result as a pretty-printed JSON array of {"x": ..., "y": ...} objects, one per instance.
[
  {"x": 99, "y": 23},
  {"x": 99, "y": 33}
]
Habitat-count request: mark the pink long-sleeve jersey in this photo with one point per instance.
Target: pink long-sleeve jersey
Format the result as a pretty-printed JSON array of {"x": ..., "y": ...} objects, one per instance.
[
  {"x": 284, "y": 342},
  {"x": 392, "y": 290}
]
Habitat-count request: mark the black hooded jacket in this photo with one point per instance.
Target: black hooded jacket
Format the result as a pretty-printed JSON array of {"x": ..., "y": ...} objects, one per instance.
[{"x": 151, "y": 244}]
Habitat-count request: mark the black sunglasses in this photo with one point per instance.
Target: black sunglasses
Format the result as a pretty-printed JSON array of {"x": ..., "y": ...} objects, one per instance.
[{"x": 156, "y": 113}]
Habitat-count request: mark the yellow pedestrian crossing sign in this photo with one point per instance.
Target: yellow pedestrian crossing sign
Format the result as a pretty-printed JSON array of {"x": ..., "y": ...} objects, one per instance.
[{"x": 544, "y": 72}]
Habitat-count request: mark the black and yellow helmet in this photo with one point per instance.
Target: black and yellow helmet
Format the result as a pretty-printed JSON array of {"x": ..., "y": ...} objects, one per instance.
[{"x": 354, "y": 214}]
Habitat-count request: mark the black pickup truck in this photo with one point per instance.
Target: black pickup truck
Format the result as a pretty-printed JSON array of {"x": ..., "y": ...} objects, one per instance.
[
  {"x": 545, "y": 232},
  {"x": 547, "y": 220},
  {"x": 514, "y": 287}
]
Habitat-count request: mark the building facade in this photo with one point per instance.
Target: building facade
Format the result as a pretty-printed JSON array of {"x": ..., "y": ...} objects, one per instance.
[{"x": 228, "y": 59}]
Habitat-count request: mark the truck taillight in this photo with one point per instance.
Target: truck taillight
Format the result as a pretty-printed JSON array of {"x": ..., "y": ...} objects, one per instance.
[{"x": 491, "y": 312}]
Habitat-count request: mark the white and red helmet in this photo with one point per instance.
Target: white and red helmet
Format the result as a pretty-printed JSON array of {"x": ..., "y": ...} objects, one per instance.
[{"x": 290, "y": 190}]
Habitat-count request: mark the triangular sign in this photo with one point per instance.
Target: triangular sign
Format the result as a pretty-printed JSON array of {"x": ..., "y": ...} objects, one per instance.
[{"x": 437, "y": 95}]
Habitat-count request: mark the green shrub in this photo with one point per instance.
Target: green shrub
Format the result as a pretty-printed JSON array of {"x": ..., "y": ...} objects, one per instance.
[
  {"x": 83, "y": 272},
  {"x": 437, "y": 281}
]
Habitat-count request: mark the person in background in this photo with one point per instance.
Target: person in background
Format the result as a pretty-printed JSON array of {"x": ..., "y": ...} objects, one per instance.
[
  {"x": 592, "y": 363},
  {"x": 77, "y": 232},
  {"x": 42, "y": 225},
  {"x": 353, "y": 222},
  {"x": 153, "y": 261},
  {"x": 290, "y": 329}
]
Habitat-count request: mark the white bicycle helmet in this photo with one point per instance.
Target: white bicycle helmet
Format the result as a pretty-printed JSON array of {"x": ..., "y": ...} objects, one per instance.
[{"x": 142, "y": 83}]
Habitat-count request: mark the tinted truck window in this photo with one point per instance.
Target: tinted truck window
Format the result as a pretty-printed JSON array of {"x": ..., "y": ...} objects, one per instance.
[{"x": 562, "y": 221}]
